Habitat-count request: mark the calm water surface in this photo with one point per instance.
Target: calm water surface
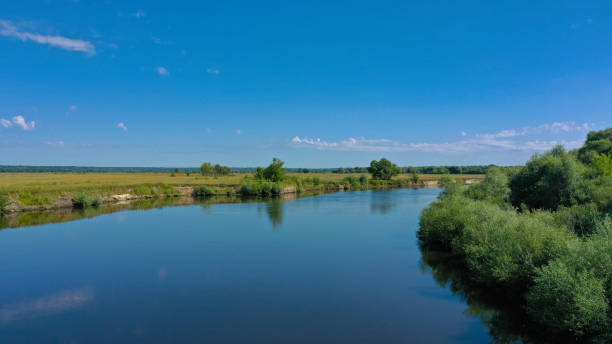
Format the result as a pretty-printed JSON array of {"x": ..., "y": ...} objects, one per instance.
[{"x": 341, "y": 267}]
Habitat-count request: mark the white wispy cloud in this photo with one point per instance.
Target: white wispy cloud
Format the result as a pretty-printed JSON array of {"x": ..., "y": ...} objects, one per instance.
[
  {"x": 213, "y": 71},
  {"x": 7, "y": 28},
  {"x": 73, "y": 108},
  {"x": 238, "y": 132},
  {"x": 505, "y": 140},
  {"x": 162, "y": 71},
  {"x": 463, "y": 133},
  {"x": 139, "y": 14},
  {"x": 59, "y": 143},
  {"x": 20, "y": 121},
  {"x": 122, "y": 126},
  {"x": 5, "y": 122}
]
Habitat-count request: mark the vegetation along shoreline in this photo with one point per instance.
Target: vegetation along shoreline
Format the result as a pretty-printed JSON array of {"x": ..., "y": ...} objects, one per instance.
[{"x": 23, "y": 192}]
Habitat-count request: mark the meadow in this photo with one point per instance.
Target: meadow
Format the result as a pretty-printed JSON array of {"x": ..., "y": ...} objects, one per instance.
[{"x": 32, "y": 189}]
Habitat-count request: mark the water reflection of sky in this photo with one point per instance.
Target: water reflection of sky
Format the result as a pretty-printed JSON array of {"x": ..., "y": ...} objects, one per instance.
[{"x": 340, "y": 267}]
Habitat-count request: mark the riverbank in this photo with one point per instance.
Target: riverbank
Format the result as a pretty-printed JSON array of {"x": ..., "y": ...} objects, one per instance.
[{"x": 27, "y": 192}]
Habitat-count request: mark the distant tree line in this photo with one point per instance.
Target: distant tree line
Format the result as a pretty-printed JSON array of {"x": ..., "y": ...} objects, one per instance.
[
  {"x": 208, "y": 169},
  {"x": 474, "y": 169}
]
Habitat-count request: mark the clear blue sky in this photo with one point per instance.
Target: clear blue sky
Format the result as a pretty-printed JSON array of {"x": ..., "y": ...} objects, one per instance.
[{"x": 317, "y": 84}]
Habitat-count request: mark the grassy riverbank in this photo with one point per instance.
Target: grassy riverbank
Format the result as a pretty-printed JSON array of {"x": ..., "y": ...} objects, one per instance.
[{"x": 45, "y": 190}]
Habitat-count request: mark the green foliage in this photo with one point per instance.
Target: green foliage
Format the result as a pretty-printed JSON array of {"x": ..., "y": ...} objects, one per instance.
[
  {"x": 206, "y": 169},
  {"x": 597, "y": 142},
  {"x": 260, "y": 188},
  {"x": 548, "y": 181},
  {"x": 494, "y": 188},
  {"x": 273, "y": 173},
  {"x": 167, "y": 189},
  {"x": 415, "y": 178},
  {"x": 82, "y": 201},
  {"x": 144, "y": 190},
  {"x": 383, "y": 169},
  {"x": 202, "y": 191},
  {"x": 4, "y": 201},
  {"x": 316, "y": 181},
  {"x": 602, "y": 164},
  {"x": 581, "y": 219},
  {"x": 27, "y": 198},
  {"x": 555, "y": 254},
  {"x": 363, "y": 180}
]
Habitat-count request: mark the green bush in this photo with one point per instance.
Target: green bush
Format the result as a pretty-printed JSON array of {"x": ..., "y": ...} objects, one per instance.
[
  {"x": 27, "y": 198},
  {"x": 4, "y": 201},
  {"x": 167, "y": 190},
  {"x": 82, "y": 201},
  {"x": 363, "y": 180},
  {"x": 316, "y": 181},
  {"x": 548, "y": 181},
  {"x": 260, "y": 188},
  {"x": 144, "y": 190},
  {"x": 581, "y": 219},
  {"x": 494, "y": 188},
  {"x": 202, "y": 191},
  {"x": 555, "y": 253}
]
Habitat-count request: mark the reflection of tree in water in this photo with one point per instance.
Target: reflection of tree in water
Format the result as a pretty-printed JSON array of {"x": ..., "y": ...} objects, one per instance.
[
  {"x": 274, "y": 208},
  {"x": 383, "y": 201},
  {"x": 500, "y": 311}
]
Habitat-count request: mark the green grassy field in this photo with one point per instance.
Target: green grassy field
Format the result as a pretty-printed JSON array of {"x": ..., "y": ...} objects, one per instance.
[{"x": 43, "y": 188}]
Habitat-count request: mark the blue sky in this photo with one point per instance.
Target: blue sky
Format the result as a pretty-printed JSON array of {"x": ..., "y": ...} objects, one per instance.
[{"x": 317, "y": 84}]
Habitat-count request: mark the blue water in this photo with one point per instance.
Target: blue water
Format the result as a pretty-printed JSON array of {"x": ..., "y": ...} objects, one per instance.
[{"x": 334, "y": 268}]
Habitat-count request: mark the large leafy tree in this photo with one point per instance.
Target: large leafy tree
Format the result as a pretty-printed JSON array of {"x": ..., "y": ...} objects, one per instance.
[
  {"x": 548, "y": 181},
  {"x": 383, "y": 169},
  {"x": 597, "y": 142}
]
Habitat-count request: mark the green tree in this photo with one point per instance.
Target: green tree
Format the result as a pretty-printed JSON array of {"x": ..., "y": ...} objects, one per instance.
[
  {"x": 274, "y": 172},
  {"x": 602, "y": 163},
  {"x": 597, "y": 142},
  {"x": 207, "y": 169},
  {"x": 383, "y": 169},
  {"x": 548, "y": 181}
]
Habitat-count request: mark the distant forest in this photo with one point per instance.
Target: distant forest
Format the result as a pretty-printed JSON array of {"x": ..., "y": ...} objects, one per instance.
[{"x": 476, "y": 169}]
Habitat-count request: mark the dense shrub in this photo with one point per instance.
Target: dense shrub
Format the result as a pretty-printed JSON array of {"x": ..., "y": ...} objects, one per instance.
[
  {"x": 363, "y": 180},
  {"x": 494, "y": 188},
  {"x": 202, "y": 191},
  {"x": 82, "y": 201},
  {"x": 554, "y": 249},
  {"x": 260, "y": 188},
  {"x": 167, "y": 190},
  {"x": 548, "y": 181},
  {"x": 581, "y": 219},
  {"x": 574, "y": 292}
]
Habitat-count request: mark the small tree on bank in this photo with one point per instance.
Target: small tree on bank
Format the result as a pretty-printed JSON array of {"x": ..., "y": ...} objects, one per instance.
[
  {"x": 274, "y": 172},
  {"x": 383, "y": 169}
]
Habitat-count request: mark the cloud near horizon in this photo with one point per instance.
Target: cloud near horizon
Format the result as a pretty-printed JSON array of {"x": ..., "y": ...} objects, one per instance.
[
  {"x": 505, "y": 140},
  {"x": 8, "y": 29},
  {"x": 120, "y": 125}
]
